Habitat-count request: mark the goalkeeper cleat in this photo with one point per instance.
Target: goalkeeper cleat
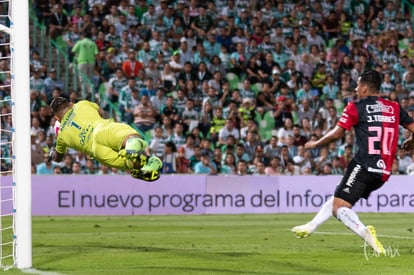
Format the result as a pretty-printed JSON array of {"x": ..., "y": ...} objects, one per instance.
[
  {"x": 133, "y": 147},
  {"x": 303, "y": 231},
  {"x": 135, "y": 173},
  {"x": 153, "y": 164},
  {"x": 135, "y": 161},
  {"x": 147, "y": 176},
  {"x": 370, "y": 238},
  {"x": 150, "y": 171}
]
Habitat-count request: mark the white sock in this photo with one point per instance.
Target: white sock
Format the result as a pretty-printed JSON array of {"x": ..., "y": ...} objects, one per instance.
[
  {"x": 351, "y": 220},
  {"x": 323, "y": 214}
]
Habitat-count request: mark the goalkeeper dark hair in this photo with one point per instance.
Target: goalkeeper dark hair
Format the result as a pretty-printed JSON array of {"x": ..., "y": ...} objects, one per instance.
[
  {"x": 58, "y": 104},
  {"x": 372, "y": 79}
]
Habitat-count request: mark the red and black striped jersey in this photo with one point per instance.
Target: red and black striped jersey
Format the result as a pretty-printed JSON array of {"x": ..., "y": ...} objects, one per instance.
[{"x": 376, "y": 123}]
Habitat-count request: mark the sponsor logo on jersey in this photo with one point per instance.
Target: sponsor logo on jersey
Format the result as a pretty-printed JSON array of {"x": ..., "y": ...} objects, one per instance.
[
  {"x": 343, "y": 119},
  {"x": 84, "y": 134},
  {"x": 381, "y": 164},
  {"x": 351, "y": 179},
  {"x": 382, "y": 168},
  {"x": 68, "y": 120},
  {"x": 379, "y": 108},
  {"x": 381, "y": 171}
]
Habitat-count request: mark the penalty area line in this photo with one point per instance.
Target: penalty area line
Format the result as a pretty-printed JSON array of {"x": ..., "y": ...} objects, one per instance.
[
  {"x": 39, "y": 272},
  {"x": 379, "y": 235}
]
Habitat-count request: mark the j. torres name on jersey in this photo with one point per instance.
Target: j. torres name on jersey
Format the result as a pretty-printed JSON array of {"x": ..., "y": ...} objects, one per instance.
[{"x": 380, "y": 118}]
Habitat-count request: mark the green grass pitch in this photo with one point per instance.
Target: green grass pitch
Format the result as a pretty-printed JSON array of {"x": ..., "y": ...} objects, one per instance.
[{"x": 216, "y": 244}]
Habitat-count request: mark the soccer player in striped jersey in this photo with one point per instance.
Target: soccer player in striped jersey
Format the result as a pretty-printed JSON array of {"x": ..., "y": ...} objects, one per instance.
[{"x": 376, "y": 122}]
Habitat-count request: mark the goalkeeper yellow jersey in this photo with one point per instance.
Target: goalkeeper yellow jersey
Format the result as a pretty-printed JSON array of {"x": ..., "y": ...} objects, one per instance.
[
  {"x": 77, "y": 126},
  {"x": 83, "y": 129}
]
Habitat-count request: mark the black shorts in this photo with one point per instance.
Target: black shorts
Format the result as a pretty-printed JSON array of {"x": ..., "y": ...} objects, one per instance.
[{"x": 357, "y": 183}]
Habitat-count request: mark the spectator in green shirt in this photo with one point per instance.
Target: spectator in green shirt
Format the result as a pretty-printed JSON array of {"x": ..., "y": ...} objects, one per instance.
[{"x": 86, "y": 51}]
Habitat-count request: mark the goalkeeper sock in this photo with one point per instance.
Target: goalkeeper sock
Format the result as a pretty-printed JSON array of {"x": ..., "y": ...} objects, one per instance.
[
  {"x": 324, "y": 213},
  {"x": 351, "y": 220}
]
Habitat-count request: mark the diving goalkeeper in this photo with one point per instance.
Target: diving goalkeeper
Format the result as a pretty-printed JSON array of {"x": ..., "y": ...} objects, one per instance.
[{"x": 113, "y": 144}]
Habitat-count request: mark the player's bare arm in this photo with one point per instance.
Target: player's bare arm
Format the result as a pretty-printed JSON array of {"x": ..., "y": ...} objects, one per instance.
[{"x": 334, "y": 134}]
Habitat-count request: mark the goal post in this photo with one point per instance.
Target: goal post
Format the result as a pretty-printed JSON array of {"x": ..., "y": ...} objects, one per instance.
[{"x": 20, "y": 90}]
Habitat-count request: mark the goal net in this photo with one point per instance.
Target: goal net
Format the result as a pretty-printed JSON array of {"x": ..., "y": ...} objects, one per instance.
[
  {"x": 15, "y": 171},
  {"x": 6, "y": 131}
]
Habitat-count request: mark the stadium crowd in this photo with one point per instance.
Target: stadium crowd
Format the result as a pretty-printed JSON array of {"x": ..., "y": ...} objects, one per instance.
[{"x": 225, "y": 86}]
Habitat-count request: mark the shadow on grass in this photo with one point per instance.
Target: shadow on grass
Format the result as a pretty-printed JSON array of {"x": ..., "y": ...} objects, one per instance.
[
  {"x": 270, "y": 266},
  {"x": 194, "y": 270}
]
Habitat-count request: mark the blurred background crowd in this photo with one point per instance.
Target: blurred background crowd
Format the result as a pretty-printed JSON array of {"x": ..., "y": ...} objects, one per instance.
[{"x": 225, "y": 86}]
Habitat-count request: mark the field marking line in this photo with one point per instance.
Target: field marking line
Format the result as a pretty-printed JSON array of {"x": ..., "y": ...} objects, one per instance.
[
  {"x": 39, "y": 272},
  {"x": 379, "y": 235}
]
